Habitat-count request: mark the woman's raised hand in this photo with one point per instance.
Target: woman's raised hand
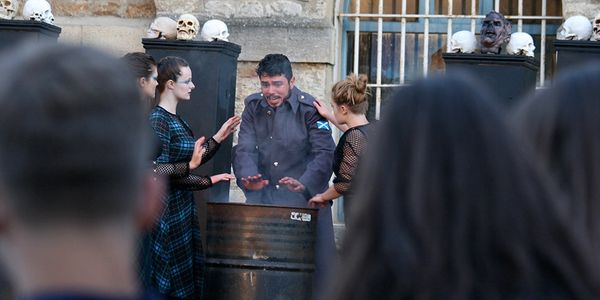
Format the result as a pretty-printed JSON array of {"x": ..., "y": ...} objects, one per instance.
[
  {"x": 198, "y": 153},
  {"x": 227, "y": 128}
]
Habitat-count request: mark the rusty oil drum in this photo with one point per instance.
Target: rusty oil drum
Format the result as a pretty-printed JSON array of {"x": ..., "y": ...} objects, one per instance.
[{"x": 259, "y": 251}]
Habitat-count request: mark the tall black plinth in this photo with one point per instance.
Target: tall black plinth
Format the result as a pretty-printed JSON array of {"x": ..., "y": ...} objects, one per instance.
[
  {"x": 13, "y": 32},
  {"x": 214, "y": 67},
  {"x": 510, "y": 77},
  {"x": 576, "y": 53}
]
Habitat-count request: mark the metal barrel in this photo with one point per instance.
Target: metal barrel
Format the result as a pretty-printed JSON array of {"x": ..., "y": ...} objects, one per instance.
[{"x": 259, "y": 251}]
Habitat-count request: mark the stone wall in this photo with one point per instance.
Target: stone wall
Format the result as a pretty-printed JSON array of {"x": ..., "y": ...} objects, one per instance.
[
  {"x": 588, "y": 8},
  {"x": 118, "y": 8}
]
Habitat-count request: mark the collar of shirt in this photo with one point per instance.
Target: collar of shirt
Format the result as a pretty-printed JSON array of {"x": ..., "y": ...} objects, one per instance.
[{"x": 292, "y": 100}]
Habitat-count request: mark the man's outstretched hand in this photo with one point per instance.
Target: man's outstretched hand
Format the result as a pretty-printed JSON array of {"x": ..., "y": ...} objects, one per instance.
[
  {"x": 292, "y": 184},
  {"x": 254, "y": 183}
]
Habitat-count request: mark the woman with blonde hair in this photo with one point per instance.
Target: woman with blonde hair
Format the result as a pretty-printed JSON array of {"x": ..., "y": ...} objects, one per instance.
[{"x": 350, "y": 103}]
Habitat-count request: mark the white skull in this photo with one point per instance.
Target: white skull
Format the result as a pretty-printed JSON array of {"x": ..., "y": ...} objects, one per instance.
[
  {"x": 214, "y": 30},
  {"x": 8, "y": 9},
  {"x": 463, "y": 42},
  {"x": 187, "y": 27},
  {"x": 596, "y": 28},
  {"x": 38, "y": 10},
  {"x": 162, "y": 28},
  {"x": 576, "y": 28},
  {"x": 521, "y": 43}
]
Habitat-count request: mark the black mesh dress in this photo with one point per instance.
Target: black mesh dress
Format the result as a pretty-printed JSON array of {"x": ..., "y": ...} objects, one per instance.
[{"x": 351, "y": 146}]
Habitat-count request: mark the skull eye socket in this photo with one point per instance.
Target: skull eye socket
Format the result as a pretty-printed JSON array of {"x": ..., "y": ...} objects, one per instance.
[
  {"x": 7, "y": 3},
  {"x": 180, "y": 22},
  {"x": 190, "y": 23}
]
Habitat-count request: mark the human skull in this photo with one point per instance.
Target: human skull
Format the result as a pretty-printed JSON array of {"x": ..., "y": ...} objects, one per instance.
[
  {"x": 8, "y": 9},
  {"x": 162, "y": 28},
  {"x": 38, "y": 10},
  {"x": 521, "y": 43},
  {"x": 596, "y": 28},
  {"x": 576, "y": 28},
  {"x": 187, "y": 27},
  {"x": 463, "y": 42},
  {"x": 214, "y": 30}
]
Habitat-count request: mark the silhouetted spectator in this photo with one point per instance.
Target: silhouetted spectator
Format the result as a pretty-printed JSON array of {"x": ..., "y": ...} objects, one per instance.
[
  {"x": 450, "y": 208},
  {"x": 76, "y": 187}
]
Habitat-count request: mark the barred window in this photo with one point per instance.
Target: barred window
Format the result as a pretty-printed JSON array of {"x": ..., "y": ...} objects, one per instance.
[
  {"x": 400, "y": 41},
  {"x": 396, "y": 42}
]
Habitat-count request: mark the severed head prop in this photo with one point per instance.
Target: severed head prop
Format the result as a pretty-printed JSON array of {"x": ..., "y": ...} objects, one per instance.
[{"x": 495, "y": 33}]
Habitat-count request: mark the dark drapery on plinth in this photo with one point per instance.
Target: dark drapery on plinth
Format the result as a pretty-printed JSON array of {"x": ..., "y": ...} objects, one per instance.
[
  {"x": 575, "y": 53},
  {"x": 13, "y": 32},
  {"x": 509, "y": 77}
]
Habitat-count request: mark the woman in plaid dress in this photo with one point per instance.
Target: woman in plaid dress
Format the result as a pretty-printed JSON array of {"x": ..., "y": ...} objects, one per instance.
[{"x": 173, "y": 262}]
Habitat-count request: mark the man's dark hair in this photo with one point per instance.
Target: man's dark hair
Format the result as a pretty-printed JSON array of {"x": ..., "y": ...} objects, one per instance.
[
  {"x": 73, "y": 140},
  {"x": 275, "y": 65}
]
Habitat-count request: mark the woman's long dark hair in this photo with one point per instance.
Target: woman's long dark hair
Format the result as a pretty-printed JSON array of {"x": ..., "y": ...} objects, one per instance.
[
  {"x": 562, "y": 124},
  {"x": 448, "y": 207}
]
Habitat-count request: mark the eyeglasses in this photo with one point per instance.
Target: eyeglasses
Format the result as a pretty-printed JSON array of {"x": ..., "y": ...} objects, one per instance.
[{"x": 185, "y": 81}]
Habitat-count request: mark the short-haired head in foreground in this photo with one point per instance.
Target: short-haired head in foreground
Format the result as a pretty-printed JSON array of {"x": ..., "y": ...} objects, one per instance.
[{"x": 73, "y": 136}]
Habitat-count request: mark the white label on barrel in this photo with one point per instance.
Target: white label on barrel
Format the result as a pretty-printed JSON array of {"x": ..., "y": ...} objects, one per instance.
[{"x": 300, "y": 216}]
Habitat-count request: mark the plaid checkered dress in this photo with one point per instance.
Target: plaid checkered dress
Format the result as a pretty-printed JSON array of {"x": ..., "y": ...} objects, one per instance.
[{"x": 172, "y": 258}]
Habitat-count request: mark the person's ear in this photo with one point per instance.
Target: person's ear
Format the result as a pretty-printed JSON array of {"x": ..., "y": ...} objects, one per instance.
[
  {"x": 292, "y": 82},
  {"x": 150, "y": 204},
  {"x": 142, "y": 81},
  {"x": 170, "y": 84},
  {"x": 344, "y": 109}
]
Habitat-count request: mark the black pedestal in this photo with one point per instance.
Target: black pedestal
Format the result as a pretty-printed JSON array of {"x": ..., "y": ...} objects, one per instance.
[
  {"x": 575, "y": 53},
  {"x": 510, "y": 77},
  {"x": 13, "y": 32},
  {"x": 214, "y": 67}
]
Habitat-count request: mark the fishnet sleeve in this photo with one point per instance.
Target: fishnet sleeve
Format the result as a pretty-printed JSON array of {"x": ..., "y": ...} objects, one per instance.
[
  {"x": 211, "y": 148},
  {"x": 174, "y": 170},
  {"x": 192, "y": 182},
  {"x": 354, "y": 147}
]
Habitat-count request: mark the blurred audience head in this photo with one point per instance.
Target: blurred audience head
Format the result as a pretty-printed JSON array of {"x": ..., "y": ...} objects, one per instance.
[
  {"x": 562, "y": 125},
  {"x": 450, "y": 208}
]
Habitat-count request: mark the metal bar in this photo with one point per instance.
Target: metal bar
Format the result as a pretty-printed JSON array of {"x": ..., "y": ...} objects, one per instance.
[
  {"x": 403, "y": 44},
  {"x": 520, "y": 22},
  {"x": 444, "y": 16},
  {"x": 543, "y": 46},
  {"x": 426, "y": 40},
  {"x": 497, "y": 6},
  {"x": 356, "y": 37},
  {"x": 384, "y": 85},
  {"x": 379, "y": 60},
  {"x": 449, "y": 34},
  {"x": 473, "y": 14}
]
